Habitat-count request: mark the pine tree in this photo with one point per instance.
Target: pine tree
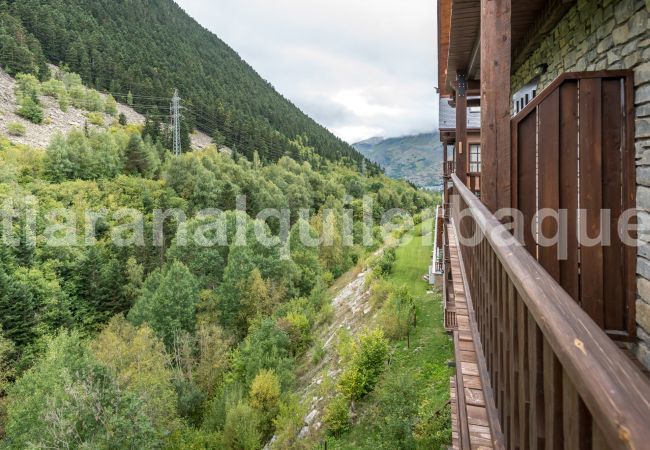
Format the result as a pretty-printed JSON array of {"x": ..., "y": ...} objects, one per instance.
[
  {"x": 168, "y": 302},
  {"x": 141, "y": 158}
]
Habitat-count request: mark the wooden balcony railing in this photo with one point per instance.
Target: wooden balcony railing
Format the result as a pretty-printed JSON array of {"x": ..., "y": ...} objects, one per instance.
[
  {"x": 557, "y": 380},
  {"x": 449, "y": 168}
]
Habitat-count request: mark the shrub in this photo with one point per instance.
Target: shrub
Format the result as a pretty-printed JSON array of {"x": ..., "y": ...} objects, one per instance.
[
  {"x": 27, "y": 86},
  {"x": 16, "y": 129},
  {"x": 288, "y": 424},
  {"x": 397, "y": 314},
  {"x": 96, "y": 118},
  {"x": 53, "y": 88},
  {"x": 241, "y": 429},
  {"x": 384, "y": 264},
  {"x": 368, "y": 359},
  {"x": 29, "y": 109},
  {"x": 265, "y": 391},
  {"x": 352, "y": 383},
  {"x": 227, "y": 396},
  {"x": 328, "y": 278},
  {"x": 297, "y": 326},
  {"x": 397, "y": 410},
  {"x": 93, "y": 101},
  {"x": 373, "y": 350},
  {"x": 337, "y": 416},
  {"x": 318, "y": 352},
  {"x": 122, "y": 119},
  {"x": 110, "y": 106},
  {"x": 265, "y": 397},
  {"x": 64, "y": 101},
  {"x": 380, "y": 291}
]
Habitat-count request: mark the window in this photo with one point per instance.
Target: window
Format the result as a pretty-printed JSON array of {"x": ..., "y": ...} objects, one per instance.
[{"x": 474, "y": 158}]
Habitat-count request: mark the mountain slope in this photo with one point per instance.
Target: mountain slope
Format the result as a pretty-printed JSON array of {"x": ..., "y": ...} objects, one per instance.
[
  {"x": 415, "y": 158},
  {"x": 151, "y": 47}
]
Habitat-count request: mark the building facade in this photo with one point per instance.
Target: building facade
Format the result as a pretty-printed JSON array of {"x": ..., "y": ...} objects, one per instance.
[{"x": 552, "y": 336}]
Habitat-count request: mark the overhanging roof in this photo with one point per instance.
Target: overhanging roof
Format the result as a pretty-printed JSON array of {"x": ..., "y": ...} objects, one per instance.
[{"x": 459, "y": 34}]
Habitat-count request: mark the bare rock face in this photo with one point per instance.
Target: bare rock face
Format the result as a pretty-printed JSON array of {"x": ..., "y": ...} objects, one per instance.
[{"x": 57, "y": 121}]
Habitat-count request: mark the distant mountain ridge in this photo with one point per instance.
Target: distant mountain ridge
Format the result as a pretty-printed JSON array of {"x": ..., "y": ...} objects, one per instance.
[{"x": 416, "y": 158}]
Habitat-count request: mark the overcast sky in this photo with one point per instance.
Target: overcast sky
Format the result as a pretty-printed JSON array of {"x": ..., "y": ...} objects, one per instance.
[{"x": 362, "y": 68}]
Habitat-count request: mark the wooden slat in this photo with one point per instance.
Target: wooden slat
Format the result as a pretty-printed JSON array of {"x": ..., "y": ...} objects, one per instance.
[
  {"x": 577, "y": 420},
  {"x": 460, "y": 398},
  {"x": 527, "y": 177},
  {"x": 569, "y": 186},
  {"x": 613, "y": 290},
  {"x": 515, "y": 402},
  {"x": 553, "y": 423},
  {"x": 524, "y": 383},
  {"x": 549, "y": 189},
  {"x": 629, "y": 201},
  {"x": 536, "y": 366},
  {"x": 591, "y": 169}
]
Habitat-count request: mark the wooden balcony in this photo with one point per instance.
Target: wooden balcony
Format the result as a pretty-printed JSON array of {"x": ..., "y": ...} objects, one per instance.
[
  {"x": 449, "y": 167},
  {"x": 533, "y": 369}
]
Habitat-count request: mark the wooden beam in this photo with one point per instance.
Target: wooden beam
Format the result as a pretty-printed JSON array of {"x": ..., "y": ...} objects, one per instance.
[
  {"x": 496, "y": 37},
  {"x": 461, "y": 128}
]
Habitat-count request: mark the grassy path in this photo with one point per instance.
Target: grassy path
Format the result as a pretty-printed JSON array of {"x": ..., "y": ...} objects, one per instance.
[{"x": 392, "y": 421}]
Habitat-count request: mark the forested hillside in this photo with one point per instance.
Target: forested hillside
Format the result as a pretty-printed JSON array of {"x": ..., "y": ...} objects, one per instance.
[
  {"x": 142, "y": 304},
  {"x": 417, "y": 158},
  {"x": 141, "y": 50}
]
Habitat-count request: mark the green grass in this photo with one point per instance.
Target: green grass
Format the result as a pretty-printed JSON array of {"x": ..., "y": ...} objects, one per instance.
[{"x": 424, "y": 365}]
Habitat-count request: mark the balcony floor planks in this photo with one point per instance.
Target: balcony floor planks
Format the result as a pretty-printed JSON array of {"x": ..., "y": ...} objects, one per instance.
[{"x": 480, "y": 435}]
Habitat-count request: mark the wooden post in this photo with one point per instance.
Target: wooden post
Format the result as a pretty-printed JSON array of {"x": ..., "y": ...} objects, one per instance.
[
  {"x": 496, "y": 53},
  {"x": 461, "y": 127},
  {"x": 444, "y": 170}
]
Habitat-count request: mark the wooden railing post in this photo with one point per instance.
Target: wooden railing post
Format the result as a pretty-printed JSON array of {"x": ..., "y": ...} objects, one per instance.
[
  {"x": 461, "y": 127},
  {"x": 495, "y": 102}
]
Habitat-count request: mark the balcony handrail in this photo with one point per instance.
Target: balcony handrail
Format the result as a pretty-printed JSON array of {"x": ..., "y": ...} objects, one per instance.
[{"x": 614, "y": 390}]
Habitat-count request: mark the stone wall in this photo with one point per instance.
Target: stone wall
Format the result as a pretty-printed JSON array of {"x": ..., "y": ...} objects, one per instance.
[{"x": 601, "y": 35}]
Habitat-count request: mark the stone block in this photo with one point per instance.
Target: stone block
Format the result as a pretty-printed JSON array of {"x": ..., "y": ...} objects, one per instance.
[
  {"x": 623, "y": 10},
  {"x": 642, "y": 352},
  {"x": 613, "y": 56},
  {"x": 605, "y": 29},
  {"x": 621, "y": 34},
  {"x": 643, "y": 267},
  {"x": 643, "y": 289},
  {"x": 642, "y": 74},
  {"x": 631, "y": 61},
  {"x": 642, "y": 94},
  {"x": 643, "y": 314},
  {"x": 643, "y": 127},
  {"x": 638, "y": 24},
  {"x": 605, "y": 44},
  {"x": 643, "y": 110},
  {"x": 643, "y": 199},
  {"x": 643, "y": 178},
  {"x": 580, "y": 66},
  {"x": 629, "y": 48},
  {"x": 642, "y": 157}
]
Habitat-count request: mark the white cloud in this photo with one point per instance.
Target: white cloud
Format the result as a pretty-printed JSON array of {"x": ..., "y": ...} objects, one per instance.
[{"x": 360, "y": 67}]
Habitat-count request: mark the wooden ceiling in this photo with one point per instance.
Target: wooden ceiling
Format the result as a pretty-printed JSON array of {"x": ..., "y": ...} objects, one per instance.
[{"x": 459, "y": 23}]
